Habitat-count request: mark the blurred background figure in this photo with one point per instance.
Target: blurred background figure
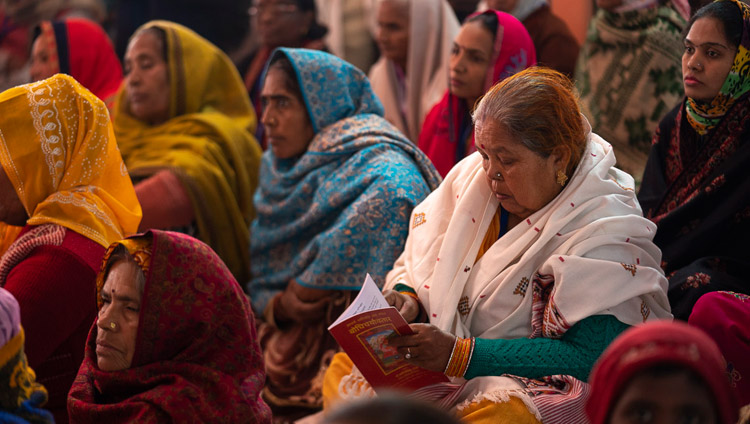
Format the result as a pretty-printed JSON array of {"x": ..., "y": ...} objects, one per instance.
[
  {"x": 629, "y": 74},
  {"x": 279, "y": 23},
  {"x": 661, "y": 372},
  {"x": 389, "y": 409},
  {"x": 489, "y": 47},
  {"x": 81, "y": 49},
  {"x": 556, "y": 47},
  {"x": 19, "y": 17},
  {"x": 184, "y": 126},
  {"x": 21, "y": 397},
  {"x": 415, "y": 38},
  {"x": 463, "y": 8},
  {"x": 349, "y": 36}
]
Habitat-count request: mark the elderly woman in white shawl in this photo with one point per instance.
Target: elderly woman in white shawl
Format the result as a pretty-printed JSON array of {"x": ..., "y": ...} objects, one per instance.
[{"x": 526, "y": 262}]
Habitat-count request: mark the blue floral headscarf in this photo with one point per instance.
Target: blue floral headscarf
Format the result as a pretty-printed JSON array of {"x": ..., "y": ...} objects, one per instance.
[{"x": 342, "y": 209}]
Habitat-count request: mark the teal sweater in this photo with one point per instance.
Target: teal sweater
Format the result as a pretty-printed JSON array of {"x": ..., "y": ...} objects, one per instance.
[{"x": 574, "y": 354}]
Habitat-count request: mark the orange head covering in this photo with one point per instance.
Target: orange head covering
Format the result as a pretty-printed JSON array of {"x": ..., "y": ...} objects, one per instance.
[{"x": 59, "y": 152}]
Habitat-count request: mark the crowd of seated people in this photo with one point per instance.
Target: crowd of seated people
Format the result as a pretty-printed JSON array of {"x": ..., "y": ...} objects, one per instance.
[{"x": 183, "y": 217}]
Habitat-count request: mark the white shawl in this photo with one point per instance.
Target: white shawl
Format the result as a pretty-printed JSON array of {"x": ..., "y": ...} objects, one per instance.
[
  {"x": 591, "y": 243},
  {"x": 592, "y": 239},
  {"x": 432, "y": 28}
]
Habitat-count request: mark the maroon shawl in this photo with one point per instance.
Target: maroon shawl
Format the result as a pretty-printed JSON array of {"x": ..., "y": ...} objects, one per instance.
[{"x": 197, "y": 357}]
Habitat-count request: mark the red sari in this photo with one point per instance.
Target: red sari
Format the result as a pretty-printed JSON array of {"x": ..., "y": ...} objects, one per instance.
[
  {"x": 196, "y": 358},
  {"x": 447, "y": 134}
]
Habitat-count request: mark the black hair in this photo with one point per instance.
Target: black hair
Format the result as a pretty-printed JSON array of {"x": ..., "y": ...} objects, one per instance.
[
  {"x": 317, "y": 31},
  {"x": 281, "y": 62},
  {"x": 488, "y": 19},
  {"x": 727, "y": 13}
]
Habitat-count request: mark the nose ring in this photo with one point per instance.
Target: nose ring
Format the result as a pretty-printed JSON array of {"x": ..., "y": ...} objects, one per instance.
[
  {"x": 498, "y": 175},
  {"x": 112, "y": 325}
]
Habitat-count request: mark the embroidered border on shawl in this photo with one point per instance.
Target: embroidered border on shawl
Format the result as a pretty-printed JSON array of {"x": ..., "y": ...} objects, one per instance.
[
  {"x": 51, "y": 142},
  {"x": 70, "y": 198}
]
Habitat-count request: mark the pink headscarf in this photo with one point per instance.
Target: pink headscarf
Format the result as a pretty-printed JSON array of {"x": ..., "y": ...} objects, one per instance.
[
  {"x": 10, "y": 316},
  {"x": 661, "y": 342}
]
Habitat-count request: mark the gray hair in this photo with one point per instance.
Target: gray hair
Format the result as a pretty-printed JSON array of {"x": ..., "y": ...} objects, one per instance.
[{"x": 539, "y": 108}]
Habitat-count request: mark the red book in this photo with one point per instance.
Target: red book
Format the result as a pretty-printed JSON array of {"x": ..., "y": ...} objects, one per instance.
[{"x": 363, "y": 330}]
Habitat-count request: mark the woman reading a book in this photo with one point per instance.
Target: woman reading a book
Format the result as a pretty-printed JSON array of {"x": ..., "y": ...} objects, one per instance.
[
  {"x": 337, "y": 186},
  {"x": 174, "y": 339},
  {"x": 526, "y": 262}
]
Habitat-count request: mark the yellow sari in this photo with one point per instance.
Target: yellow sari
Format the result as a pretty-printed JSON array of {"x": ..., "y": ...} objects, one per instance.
[
  {"x": 207, "y": 142},
  {"x": 59, "y": 152}
]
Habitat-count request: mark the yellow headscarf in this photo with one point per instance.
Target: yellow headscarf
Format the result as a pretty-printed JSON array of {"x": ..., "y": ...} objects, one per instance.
[
  {"x": 207, "y": 142},
  {"x": 59, "y": 151}
]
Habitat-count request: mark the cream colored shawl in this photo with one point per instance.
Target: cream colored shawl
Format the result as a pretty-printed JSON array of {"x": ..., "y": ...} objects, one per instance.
[
  {"x": 591, "y": 239},
  {"x": 432, "y": 28}
]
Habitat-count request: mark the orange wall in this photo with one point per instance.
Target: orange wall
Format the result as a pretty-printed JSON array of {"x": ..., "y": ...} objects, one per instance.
[{"x": 576, "y": 13}]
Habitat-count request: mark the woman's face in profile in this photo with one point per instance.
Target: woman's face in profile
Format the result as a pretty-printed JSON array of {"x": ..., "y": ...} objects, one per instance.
[
  {"x": 41, "y": 65},
  {"x": 146, "y": 79},
  {"x": 470, "y": 58},
  {"x": 706, "y": 60},
  {"x": 287, "y": 124},
  {"x": 117, "y": 324},
  {"x": 668, "y": 399}
]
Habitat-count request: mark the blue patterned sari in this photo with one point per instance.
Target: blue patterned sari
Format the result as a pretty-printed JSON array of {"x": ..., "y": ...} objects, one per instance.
[{"x": 342, "y": 209}]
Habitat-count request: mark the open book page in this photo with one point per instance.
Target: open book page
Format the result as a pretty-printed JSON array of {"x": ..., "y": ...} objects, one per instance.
[
  {"x": 368, "y": 299},
  {"x": 363, "y": 331}
]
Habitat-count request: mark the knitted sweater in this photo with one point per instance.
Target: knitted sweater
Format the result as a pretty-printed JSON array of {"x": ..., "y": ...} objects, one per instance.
[{"x": 574, "y": 354}]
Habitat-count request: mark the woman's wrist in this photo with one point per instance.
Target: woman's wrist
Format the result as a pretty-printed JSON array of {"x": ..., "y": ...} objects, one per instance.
[
  {"x": 410, "y": 292},
  {"x": 460, "y": 358}
]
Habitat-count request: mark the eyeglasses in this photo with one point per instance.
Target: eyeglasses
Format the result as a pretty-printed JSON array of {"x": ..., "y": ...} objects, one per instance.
[{"x": 274, "y": 9}]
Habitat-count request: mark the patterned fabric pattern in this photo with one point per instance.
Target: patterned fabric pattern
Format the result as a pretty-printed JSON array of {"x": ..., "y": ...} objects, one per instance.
[
  {"x": 22, "y": 396},
  {"x": 43, "y": 235},
  {"x": 629, "y": 75},
  {"x": 60, "y": 154},
  {"x": 703, "y": 117},
  {"x": 342, "y": 209},
  {"x": 197, "y": 357}
]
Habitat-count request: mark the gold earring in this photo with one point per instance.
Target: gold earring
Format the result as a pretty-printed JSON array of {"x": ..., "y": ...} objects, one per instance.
[{"x": 561, "y": 178}]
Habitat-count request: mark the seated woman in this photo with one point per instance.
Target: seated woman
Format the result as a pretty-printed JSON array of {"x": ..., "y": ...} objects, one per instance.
[
  {"x": 174, "y": 340},
  {"x": 490, "y": 47},
  {"x": 664, "y": 372},
  {"x": 81, "y": 49},
  {"x": 280, "y": 23},
  {"x": 555, "y": 45},
  {"x": 628, "y": 73},
  {"x": 414, "y": 37},
  {"x": 337, "y": 187},
  {"x": 526, "y": 262},
  {"x": 184, "y": 127},
  {"x": 63, "y": 179},
  {"x": 695, "y": 184},
  {"x": 19, "y": 403}
]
